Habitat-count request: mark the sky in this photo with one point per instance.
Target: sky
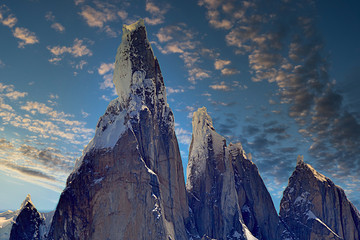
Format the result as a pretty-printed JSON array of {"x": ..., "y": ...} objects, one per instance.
[{"x": 282, "y": 77}]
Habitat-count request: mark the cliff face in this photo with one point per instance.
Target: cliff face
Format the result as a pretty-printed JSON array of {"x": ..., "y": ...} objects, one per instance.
[
  {"x": 129, "y": 182},
  {"x": 225, "y": 187},
  {"x": 28, "y": 223},
  {"x": 257, "y": 208},
  {"x": 210, "y": 183},
  {"x": 315, "y": 208}
]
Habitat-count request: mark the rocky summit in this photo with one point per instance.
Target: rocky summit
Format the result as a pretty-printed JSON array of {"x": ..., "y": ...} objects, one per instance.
[
  {"x": 129, "y": 182},
  {"x": 315, "y": 208},
  {"x": 28, "y": 224}
]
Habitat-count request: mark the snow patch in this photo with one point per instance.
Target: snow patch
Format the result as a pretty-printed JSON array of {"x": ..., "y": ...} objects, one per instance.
[
  {"x": 247, "y": 234},
  {"x": 109, "y": 129}
]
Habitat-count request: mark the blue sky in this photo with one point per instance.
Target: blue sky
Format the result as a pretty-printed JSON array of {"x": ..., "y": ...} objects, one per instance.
[{"x": 281, "y": 77}]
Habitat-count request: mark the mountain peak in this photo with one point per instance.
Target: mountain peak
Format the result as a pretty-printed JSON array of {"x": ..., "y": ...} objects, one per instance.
[
  {"x": 132, "y": 27},
  {"x": 307, "y": 169},
  {"x": 26, "y": 201},
  {"x": 134, "y": 62},
  {"x": 300, "y": 159},
  {"x": 202, "y": 120}
]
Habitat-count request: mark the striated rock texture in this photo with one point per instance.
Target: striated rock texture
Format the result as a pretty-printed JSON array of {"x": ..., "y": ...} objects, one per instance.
[
  {"x": 28, "y": 223},
  {"x": 211, "y": 184},
  {"x": 129, "y": 183},
  {"x": 315, "y": 208}
]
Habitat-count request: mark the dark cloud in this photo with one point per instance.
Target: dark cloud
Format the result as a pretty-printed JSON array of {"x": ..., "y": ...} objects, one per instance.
[
  {"x": 289, "y": 149},
  {"x": 49, "y": 157},
  {"x": 27, "y": 171},
  {"x": 270, "y": 123},
  {"x": 280, "y": 129},
  {"x": 5, "y": 145},
  {"x": 251, "y": 130}
]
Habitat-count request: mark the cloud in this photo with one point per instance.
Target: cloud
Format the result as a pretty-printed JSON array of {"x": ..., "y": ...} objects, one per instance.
[
  {"x": 183, "y": 136},
  {"x": 4, "y": 144},
  {"x": 108, "y": 81},
  {"x": 229, "y": 71},
  {"x": 55, "y": 60},
  {"x": 96, "y": 18},
  {"x": 26, "y": 37},
  {"x": 14, "y": 95},
  {"x": 222, "y": 86},
  {"x": 106, "y": 98},
  {"x": 220, "y": 65},
  {"x": 33, "y": 157},
  {"x": 58, "y": 27},
  {"x": 78, "y": 2},
  {"x": 81, "y": 64},
  {"x": 105, "y": 68},
  {"x": 79, "y": 49},
  {"x": 10, "y": 21},
  {"x": 84, "y": 114},
  {"x": 101, "y": 15},
  {"x": 157, "y": 13},
  {"x": 27, "y": 171},
  {"x": 198, "y": 74},
  {"x": 178, "y": 39},
  {"x": 5, "y": 106},
  {"x": 49, "y": 16},
  {"x": 170, "y": 90}
]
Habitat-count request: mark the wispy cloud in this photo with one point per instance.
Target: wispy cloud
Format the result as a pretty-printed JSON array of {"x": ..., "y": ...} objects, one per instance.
[
  {"x": 170, "y": 90},
  {"x": 79, "y": 49},
  {"x": 55, "y": 25},
  {"x": 106, "y": 71},
  {"x": 222, "y": 86},
  {"x": 179, "y": 39},
  {"x": 25, "y": 36},
  {"x": 101, "y": 15},
  {"x": 220, "y": 65},
  {"x": 157, "y": 12},
  {"x": 183, "y": 136},
  {"x": 34, "y": 157}
]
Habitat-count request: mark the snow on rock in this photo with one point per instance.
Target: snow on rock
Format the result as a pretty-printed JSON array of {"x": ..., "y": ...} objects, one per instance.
[
  {"x": 109, "y": 128},
  {"x": 248, "y": 234}
]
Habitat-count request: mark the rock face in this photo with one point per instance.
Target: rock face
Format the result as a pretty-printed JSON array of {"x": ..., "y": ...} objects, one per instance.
[
  {"x": 28, "y": 223},
  {"x": 257, "y": 208},
  {"x": 225, "y": 187},
  {"x": 211, "y": 185},
  {"x": 129, "y": 183},
  {"x": 315, "y": 208}
]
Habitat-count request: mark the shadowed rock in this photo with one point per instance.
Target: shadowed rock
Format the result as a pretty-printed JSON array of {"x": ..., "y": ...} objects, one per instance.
[{"x": 315, "y": 208}]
